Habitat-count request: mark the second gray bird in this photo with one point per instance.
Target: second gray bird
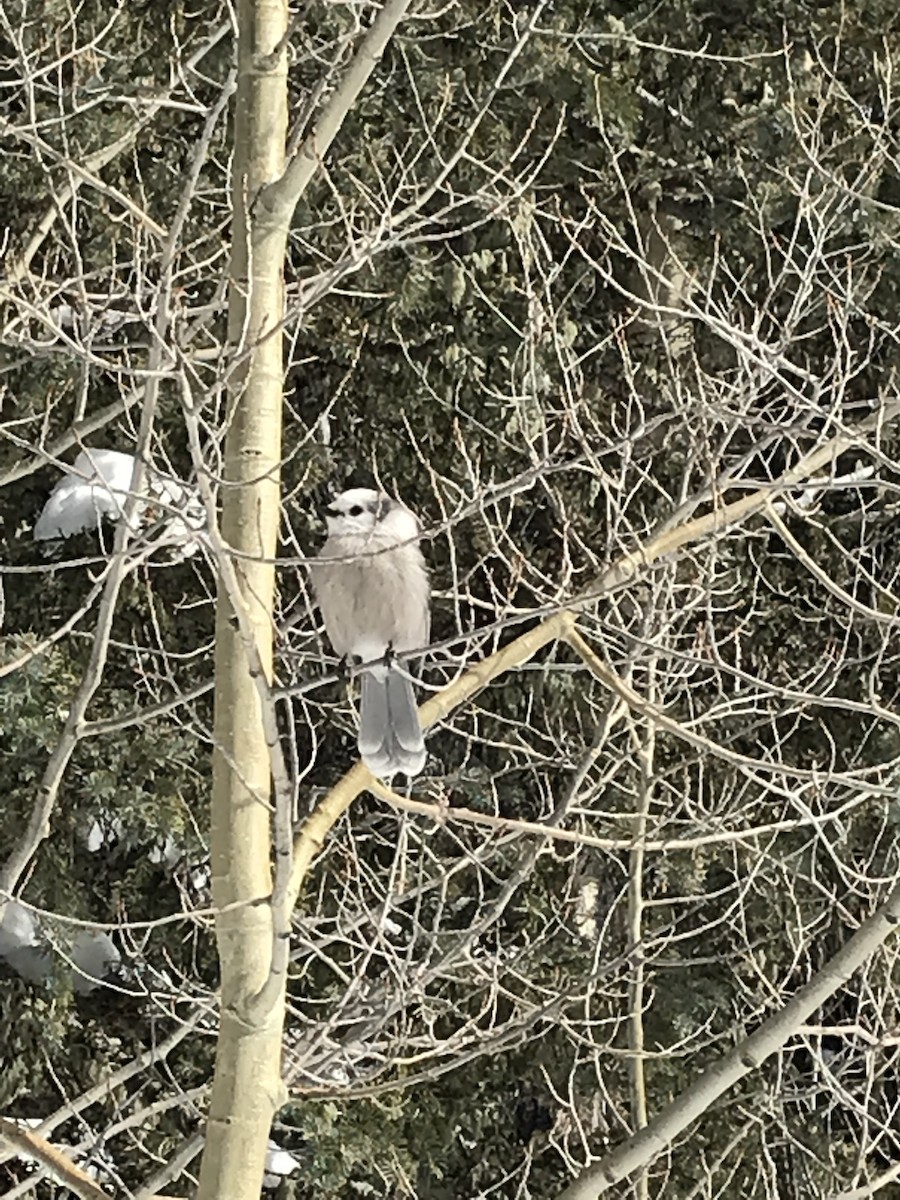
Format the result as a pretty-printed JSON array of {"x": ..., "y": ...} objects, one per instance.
[{"x": 372, "y": 586}]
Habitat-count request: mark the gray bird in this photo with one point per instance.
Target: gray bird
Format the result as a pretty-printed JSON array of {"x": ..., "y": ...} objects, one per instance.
[{"x": 372, "y": 586}]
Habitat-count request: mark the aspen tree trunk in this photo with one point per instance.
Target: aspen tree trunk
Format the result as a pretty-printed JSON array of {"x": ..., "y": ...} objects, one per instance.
[{"x": 247, "y": 1086}]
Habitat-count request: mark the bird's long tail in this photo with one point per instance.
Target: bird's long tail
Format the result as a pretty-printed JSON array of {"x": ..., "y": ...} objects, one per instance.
[{"x": 390, "y": 736}]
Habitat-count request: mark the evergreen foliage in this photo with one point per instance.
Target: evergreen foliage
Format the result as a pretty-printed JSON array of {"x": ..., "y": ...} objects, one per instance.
[{"x": 641, "y": 274}]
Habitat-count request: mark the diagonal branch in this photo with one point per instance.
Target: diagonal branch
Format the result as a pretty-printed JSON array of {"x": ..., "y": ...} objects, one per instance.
[
  {"x": 312, "y": 835},
  {"x": 32, "y": 1144},
  {"x": 638, "y": 1151},
  {"x": 277, "y": 202}
]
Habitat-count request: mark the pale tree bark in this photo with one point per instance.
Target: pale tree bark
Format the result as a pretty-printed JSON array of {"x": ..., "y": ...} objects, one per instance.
[
  {"x": 29, "y": 1143},
  {"x": 254, "y": 917},
  {"x": 246, "y": 1088}
]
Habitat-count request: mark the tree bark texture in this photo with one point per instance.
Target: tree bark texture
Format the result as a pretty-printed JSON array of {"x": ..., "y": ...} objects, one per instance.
[{"x": 247, "y": 1086}]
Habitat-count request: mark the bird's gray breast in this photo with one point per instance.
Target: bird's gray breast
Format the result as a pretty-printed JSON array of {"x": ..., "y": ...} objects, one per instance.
[{"x": 374, "y": 600}]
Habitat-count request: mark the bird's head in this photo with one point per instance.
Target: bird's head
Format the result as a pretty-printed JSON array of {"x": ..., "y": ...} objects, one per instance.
[{"x": 362, "y": 512}]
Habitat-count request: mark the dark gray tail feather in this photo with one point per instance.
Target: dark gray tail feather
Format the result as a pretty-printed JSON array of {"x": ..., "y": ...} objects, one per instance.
[{"x": 390, "y": 736}]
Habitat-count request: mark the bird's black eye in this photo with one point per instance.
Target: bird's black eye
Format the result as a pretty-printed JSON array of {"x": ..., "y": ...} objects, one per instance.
[{"x": 356, "y": 510}]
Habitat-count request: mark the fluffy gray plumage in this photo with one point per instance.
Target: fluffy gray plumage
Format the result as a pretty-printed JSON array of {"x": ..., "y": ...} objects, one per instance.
[{"x": 372, "y": 587}]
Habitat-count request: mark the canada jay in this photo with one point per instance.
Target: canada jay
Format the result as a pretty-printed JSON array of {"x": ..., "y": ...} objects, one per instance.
[{"x": 372, "y": 587}]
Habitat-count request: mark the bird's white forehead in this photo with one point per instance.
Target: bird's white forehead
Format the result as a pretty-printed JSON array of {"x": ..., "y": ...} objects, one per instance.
[{"x": 365, "y": 498}]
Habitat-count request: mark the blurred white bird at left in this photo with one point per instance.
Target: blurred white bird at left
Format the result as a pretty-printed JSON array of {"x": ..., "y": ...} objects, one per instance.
[
  {"x": 91, "y": 954},
  {"x": 97, "y": 485}
]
